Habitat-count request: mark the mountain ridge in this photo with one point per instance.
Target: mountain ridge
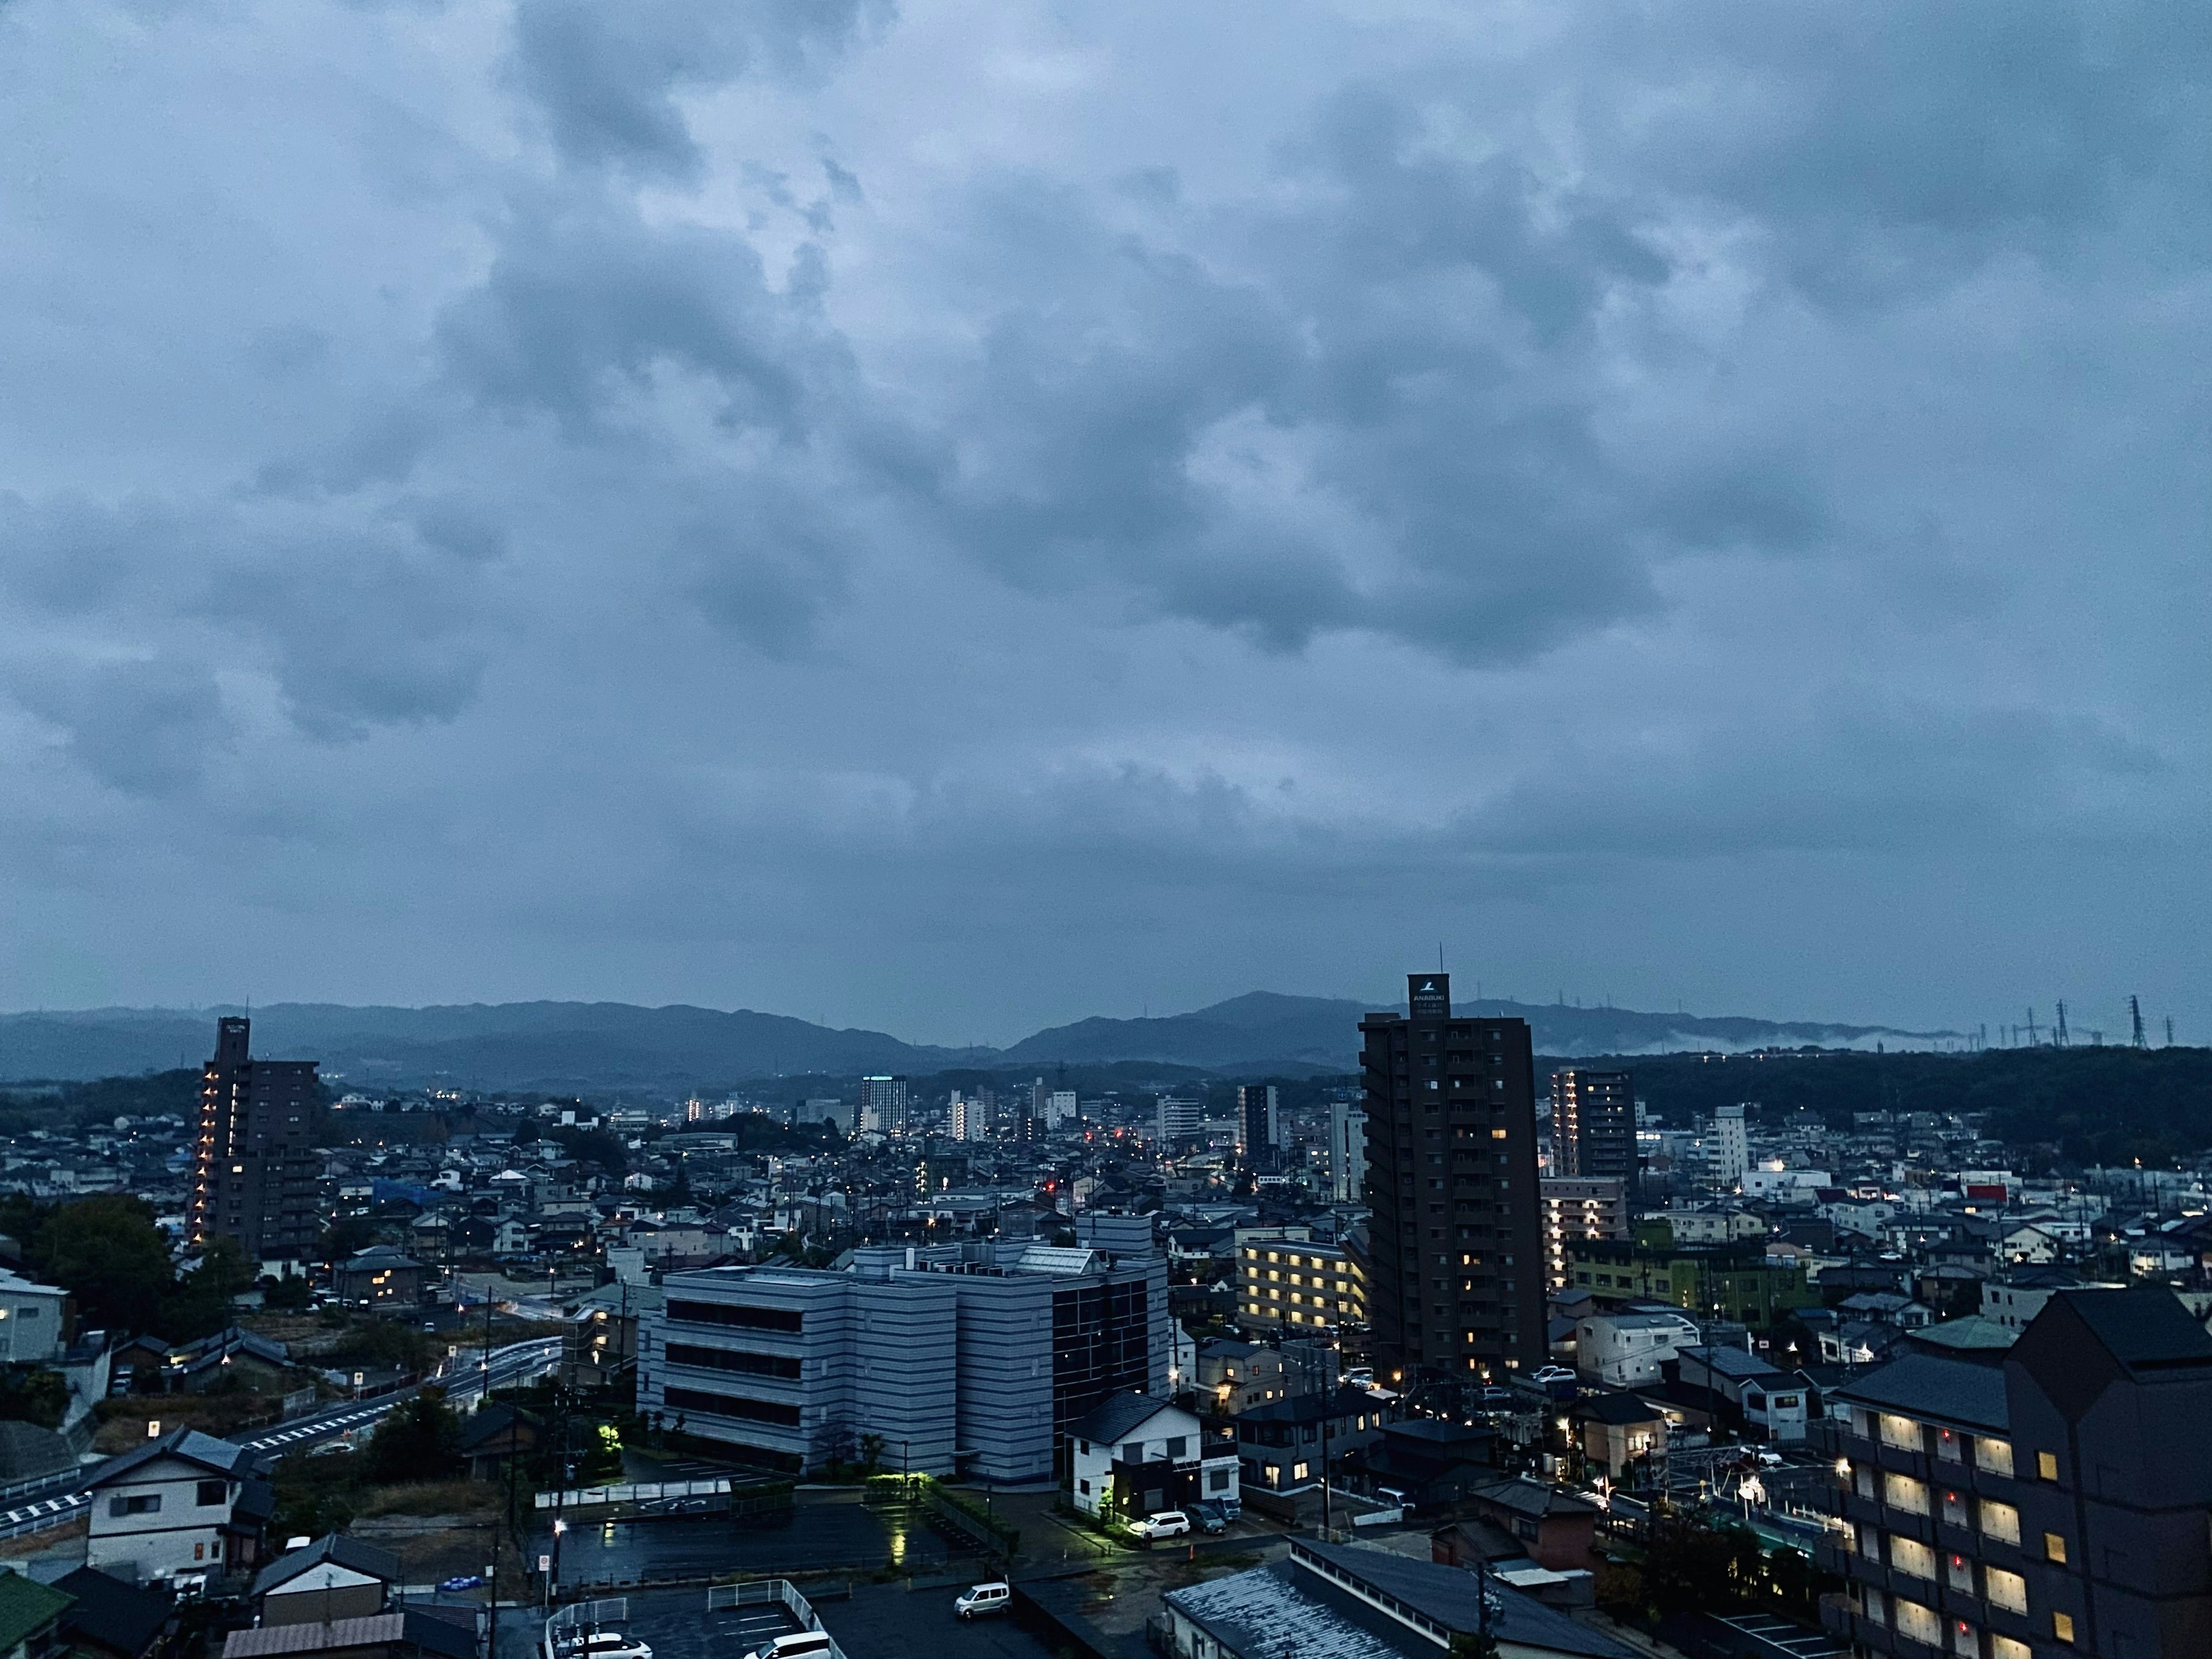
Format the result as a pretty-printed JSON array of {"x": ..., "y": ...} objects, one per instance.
[{"x": 578, "y": 1046}]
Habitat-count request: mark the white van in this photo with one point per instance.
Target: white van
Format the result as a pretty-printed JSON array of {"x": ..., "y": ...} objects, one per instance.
[
  {"x": 799, "y": 1646},
  {"x": 984, "y": 1599}
]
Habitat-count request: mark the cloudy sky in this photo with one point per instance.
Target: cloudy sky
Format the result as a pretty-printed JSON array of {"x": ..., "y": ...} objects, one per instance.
[{"x": 951, "y": 517}]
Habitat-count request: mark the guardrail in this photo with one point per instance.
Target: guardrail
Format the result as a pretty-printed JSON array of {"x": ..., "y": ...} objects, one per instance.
[
  {"x": 586, "y": 1497},
  {"x": 762, "y": 1592}
]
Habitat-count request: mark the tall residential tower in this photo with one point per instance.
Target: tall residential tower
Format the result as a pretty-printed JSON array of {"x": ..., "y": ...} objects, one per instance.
[
  {"x": 1593, "y": 1125},
  {"x": 255, "y": 1174},
  {"x": 1457, "y": 1276}
]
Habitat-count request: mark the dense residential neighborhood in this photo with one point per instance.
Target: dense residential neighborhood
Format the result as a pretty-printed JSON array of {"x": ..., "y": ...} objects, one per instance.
[{"x": 1877, "y": 1384}]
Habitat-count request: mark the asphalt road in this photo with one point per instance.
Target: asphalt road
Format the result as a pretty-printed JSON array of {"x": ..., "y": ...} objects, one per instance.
[
  {"x": 508, "y": 1365},
  {"x": 51, "y": 1505}
]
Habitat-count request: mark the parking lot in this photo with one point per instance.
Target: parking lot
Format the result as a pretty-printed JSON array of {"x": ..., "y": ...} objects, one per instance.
[
  {"x": 888, "y": 1621},
  {"x": 823, "y": 1532}
]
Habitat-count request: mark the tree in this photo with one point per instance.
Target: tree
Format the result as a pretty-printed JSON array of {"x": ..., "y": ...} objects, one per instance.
[
  {"x": 201, "y": 1303},
  {"x": 107, "y": 1252},
  {"x": 420, "y": 1440},
  {"x": 289, "y": 1293}
]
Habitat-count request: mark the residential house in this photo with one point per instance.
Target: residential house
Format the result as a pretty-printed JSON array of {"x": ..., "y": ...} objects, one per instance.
[
  {"x": 1281, "y": 1444},
  {"x": 1556, "y": 1527},
  {"x": 1745, "y": 1390},
  {"x": 30, "y": 1617},
  {"x": 1131, "y": 1456},
  {"x": 33, "y": 1320},
  {"x": 1621, "y": 1434},
  {"x": 497, "y": 1433},
  {"x": 381, "y": 1276},
  {"x": 334, "y": 1578},
  {"x": 186, "y": 1503},
  {"x": 1622, "y": 1350},
  {"x": 112, "y": 1619}
]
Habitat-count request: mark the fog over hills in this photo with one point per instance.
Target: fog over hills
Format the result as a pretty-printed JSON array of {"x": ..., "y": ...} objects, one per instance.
[{"x": 580, "y": 1046}]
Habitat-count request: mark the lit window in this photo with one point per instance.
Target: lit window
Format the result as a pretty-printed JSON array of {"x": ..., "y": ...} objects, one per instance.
[
  {"x": 2062, "y": 1626},
  {"x": 2046, "y": 1466}
]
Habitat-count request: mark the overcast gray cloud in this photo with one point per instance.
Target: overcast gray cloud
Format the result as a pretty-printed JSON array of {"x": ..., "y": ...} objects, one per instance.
[{"x": 952, "y": 518}]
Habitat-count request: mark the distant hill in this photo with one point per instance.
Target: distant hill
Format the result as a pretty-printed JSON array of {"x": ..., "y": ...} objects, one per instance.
[
  {"x": 557, "y": 1047},
  {"x": 1262, "y": 1030},
  {"x": 583, "y": 1046}
]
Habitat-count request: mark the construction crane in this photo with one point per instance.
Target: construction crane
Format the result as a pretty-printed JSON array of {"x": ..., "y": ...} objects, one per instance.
[{"x": 2135, "y": 1019}]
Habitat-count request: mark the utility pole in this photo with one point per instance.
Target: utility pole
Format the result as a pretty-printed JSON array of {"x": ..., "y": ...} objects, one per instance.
[{"x": 2031, "y": 1027}]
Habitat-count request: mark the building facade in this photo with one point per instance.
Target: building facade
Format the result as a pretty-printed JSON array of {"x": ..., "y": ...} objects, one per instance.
[
  {"x": 255, "y": 1174},
  {"x": 1736, "y": 1282},
  {"x": 1593, "y": 1125},
  {"x": 1259, "y": 1129},
  {"x": 186, "y": 1502},
  {"x": 1348, "y": 1153},
  {"x": 2052, "y": 1503},
  {"x": 1728, "y": 1148},
  {"x": 1456, "y": 1279},
  {"x": 967, "y": 1358},
  {"x": 883, "y": 1105},
  {"x": 1577, "y": 1209},
  {"x": 1297, "y": 1286}
]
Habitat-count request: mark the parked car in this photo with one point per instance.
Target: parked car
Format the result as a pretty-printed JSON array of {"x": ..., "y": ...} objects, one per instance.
[
  {"x": 983, "y": 1599},
  {"x": 612, "y": 1644},
  {"x": 1210, "y": 1516},
  {"x": 1548, "y": 1374},
  {"x": 1168, "y": 1523},
  {"x": 797, "y": 1646},
  {"x": 1770, "y": 1460}
]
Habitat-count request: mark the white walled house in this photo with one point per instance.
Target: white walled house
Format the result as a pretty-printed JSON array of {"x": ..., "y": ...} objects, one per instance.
[
  {"x": 1136, "y": 1456},
  {"x": 31, "y": 1321},
  {"x": 186, "y": 1503},
  {"x": 1625, "y": 1350}
]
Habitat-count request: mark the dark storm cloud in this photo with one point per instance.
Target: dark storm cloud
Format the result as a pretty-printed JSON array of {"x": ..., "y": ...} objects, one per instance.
[
  {"x": 608, "y": 78},
  {"x": 1144, "y": 503}
]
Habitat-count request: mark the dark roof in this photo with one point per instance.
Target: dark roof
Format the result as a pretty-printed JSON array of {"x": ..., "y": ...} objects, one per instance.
[
  {"x": 114, "y": 1614},
  {"x": 434, "y": 1633},
  {"x": 492, "y": 1423},
  {"x": 1114, "y": 1416},
  {"x": 218, "y": 1457},
  {"x": 1437, "y": 1431},
  {"x": 1929, "y": 1385},
  {"x": 27, "y": 1608},
  {"x": 1533, "y": 1498},
  {"x": 256, "y": 1504},
  {"x": 1620, "y": 1409},
  {"x": 1452, "y": 1597},
  {"x": 2145, "y": 1327},
  {"x": 335, "y": 1547},
  {"x": 1349, "y": 1402},
  {"x": 28, "y": 1450}
]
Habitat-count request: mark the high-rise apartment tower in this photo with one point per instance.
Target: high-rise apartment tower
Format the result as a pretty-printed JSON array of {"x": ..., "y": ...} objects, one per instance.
[
  {"x": 1259, "y": 1128},
  {"x": 1593, "y": 1125},
  {"x": 1456, "y": 1279},
  {"x": 255, "y": 1176}
]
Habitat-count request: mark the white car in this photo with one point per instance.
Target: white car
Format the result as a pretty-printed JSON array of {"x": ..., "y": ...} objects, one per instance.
[
  {"x": 1549, "y": 1374},
  {"x": 984, "y": 1599},
  {"x": 1168, "y": 1523},
  {"x": 611, "y": 1644}
]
